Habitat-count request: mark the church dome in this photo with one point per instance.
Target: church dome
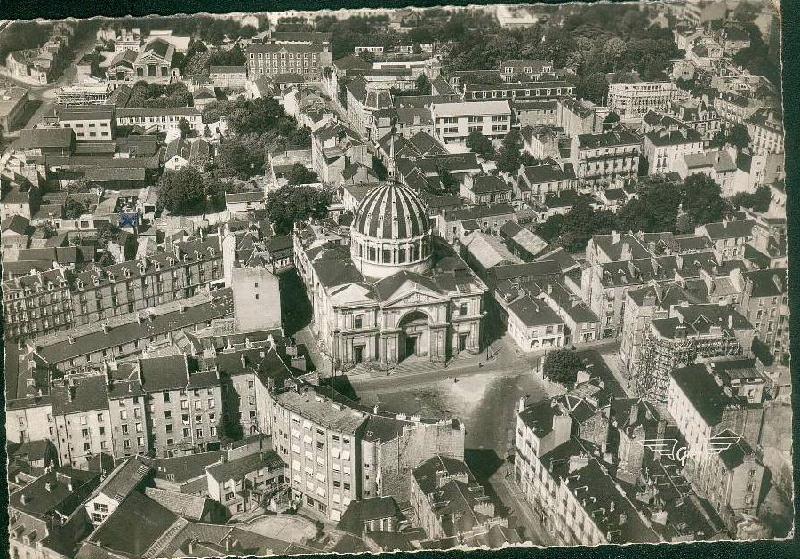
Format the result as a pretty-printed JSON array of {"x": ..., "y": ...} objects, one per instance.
[
  {"x": 391, "y": 211},
  {"x": 391, "y": 231}
]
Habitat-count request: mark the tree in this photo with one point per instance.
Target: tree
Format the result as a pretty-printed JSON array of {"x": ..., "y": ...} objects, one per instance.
[
  {"x": 745, "y": 12},
  {"x": 702, "y": 200},
  {"x": 188, "y": 192},
  {"x": 423, "y": 85},
  {"x": 593, "y": 87},
  {"x": 73, "y": 208},
  {"x": 450, "y": 184},
  {"x": 562, "y": 366},
  {"x": 238, "y": 159},
  {"x": 758, "y": 201},
  {"x": 299, "y": 174},
  {"x": 508, "y": 159},
  {"x": 738, "y": 136},
  {"x": 289, "y": 204},
  {"x": 184, "y": 127},
  {"x": 480, "y": 144}
]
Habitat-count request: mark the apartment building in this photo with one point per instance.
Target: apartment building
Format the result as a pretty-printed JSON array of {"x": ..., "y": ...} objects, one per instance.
[
  {"x": 691, "y": 331},
  {"x": 318, "y": 439},
  {"x": 81, "y": 347},
  {"x": 631, "y": 99},
  {"x": 89, "y": 123},
  {"x": 449, "y": 503},
  {"x": 184, "y": 405},
  {"x": 766, "y": 132},
  {"x": 764, "y": 301},
  {"x": 58, "y": 299},
  {"x": 580, "y": 116},
  {"x": 82, "y": 419},
  {"x": 127, "y": 409},
  {"x": 719, "y": 428},
  {"x": 334, "y": 147},
  {"x": 533, "y": 325},
  {"x": 538, "y": 182},
  {"x": 664, "y": 148},
  {"x": 13, "y": 101},
  {"x": 453, "y": 122},
  {"x": 164, "y": 120},
  {"x": 272, "y": 59},
  {"x": 729, "y": 237},
  {"x": 602, "y": 158}
]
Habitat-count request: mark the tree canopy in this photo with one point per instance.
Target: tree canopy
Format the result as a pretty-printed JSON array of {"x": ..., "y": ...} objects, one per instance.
[
  {"x": 240, "y": 158},
  {"x": 299, "y": 174},
  {"x": 758, "y": 201},
  {"x": 188, "y": 192},
  {"x": 290, "y": 203},
  {"x": 480, "y": 144},
  {"x": 562, "y": 366},
  {"x": 660, "y": 205}
]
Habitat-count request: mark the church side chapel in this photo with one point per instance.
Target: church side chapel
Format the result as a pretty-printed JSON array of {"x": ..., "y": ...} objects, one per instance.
[{"x": 388, "y": 289}]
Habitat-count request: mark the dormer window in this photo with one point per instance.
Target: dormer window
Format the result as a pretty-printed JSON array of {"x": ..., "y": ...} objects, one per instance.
[
  {"x": 127, "y": 273},
  {"x": 96, "y": 280}
]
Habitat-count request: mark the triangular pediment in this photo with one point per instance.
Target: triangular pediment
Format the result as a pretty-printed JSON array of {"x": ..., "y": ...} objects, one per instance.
[{"x": 411, "y": 292}]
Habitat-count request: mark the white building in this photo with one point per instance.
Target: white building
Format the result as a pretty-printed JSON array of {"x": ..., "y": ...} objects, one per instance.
[
  {"x": 632, "y": 99},
  {"x": 453, "y": 122}
]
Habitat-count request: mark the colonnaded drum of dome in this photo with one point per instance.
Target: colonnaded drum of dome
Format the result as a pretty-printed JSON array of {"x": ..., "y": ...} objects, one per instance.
[{"x": 395, "y": 280}]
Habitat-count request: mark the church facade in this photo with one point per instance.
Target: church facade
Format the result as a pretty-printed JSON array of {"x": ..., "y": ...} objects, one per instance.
[{"x": 387, "y": 290}]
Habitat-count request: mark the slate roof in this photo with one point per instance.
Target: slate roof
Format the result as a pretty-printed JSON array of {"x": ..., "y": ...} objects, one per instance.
[
  {"x": 359, "y": 512},
  {"x": 534, "y": 312},
  {"x": 237, "y": 468},
  {"x": 46, "y": 138},
  {"x": 136, "y": 524},
  {"x": 39, "y": 501},
  {"x": 90, "y": 394},
  {"x": 190, "y": 507}
]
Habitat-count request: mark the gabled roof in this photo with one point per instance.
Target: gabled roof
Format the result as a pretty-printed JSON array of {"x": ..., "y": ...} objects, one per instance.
[{"x": 46, "y": 138}]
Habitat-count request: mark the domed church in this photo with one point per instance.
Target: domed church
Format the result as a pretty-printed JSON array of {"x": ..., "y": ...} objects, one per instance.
[{"x": 388, "y": 289}]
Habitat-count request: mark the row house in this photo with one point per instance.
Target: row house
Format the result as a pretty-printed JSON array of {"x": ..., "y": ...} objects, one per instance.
[
  {"x": 580, "y": 116},
  {"x": 518, "y": 91},
  {"x": 128, "y": 335},
  {"x": 89, "y": 123},
  {"x": 82, "y": 419}
]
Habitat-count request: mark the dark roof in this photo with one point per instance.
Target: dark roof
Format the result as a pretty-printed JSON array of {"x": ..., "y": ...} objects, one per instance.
[
  {"x": 18, "y": 224},
  {"x": 39, "y": 500},
  {"x": 124, "y": 479},
  {"x": 702, "y": 390},
  {"x": 605, "y": 139},
  {"x": 184, "y": 468},
  {"x": 360, "y": 512},
  {"x": 46, "y": 138},
  {"x": 771, "y": 282},
  {"x": 236, "y": 469},
  {"x": 483, "y": 184},
  {"x": 134, "y": 526},
  {"x": 88, "y": 394},
  {"x": 533, "y": 312},
  {"x": 159, "y": 47},
  {"x": 427, "y": 473},
  {"x": 169, "y": 372}
]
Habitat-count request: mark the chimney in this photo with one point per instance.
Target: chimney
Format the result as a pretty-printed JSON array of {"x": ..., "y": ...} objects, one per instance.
[
  {"x": 243, "y": 360},
  {"x": 23, "y": 499}
]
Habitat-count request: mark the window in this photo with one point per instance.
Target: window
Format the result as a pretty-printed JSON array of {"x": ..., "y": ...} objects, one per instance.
[
  {"x": 166, "y": 397},
  {"x": 358, "y": 322},
  {"x": 184, "y": 404},
  {"x": 87, "y": 447},
  {"x": 199, "y": 433},
  {"x": 123, "y": 414},
  {"x": 211, "y": 403},
  {"x": 463, "y": 309},
  {"x": 168, "y": 414}
]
